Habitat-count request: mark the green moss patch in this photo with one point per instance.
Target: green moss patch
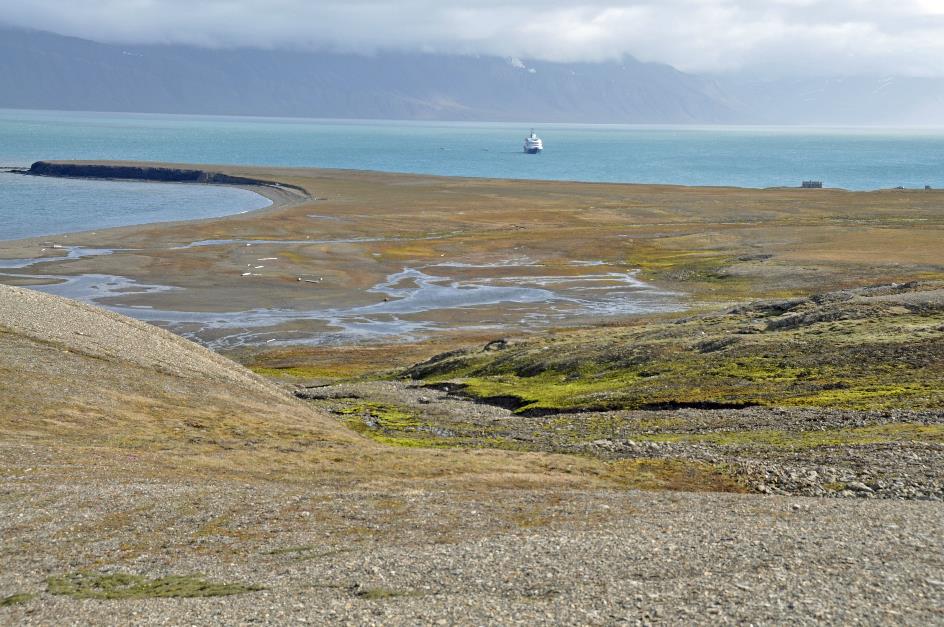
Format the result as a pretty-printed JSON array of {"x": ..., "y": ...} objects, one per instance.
[
  {"x": 873, "y": 434},
  {"x": 16, "y": 599},
  {"x": 391, "y": 425},
  {"x": 379, "y": 593},
  {"x": 816, "y": 352},
  {"x": 398, "y": 426},
  {"x": 83, "y": 585},
  {"x": 307, "y": 372},
  {"x": 675, "y": 474},
  {"x": 700, "y": 382}
]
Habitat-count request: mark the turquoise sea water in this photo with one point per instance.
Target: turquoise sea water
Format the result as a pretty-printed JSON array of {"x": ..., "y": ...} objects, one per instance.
[
  {"x": 749, "y": 157},
  {"x": 31, "y": 206},
  {"x": 851, "y": 158}
]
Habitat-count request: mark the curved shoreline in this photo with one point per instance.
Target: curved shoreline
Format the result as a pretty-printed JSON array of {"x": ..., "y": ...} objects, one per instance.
[
  {"x": 355, "y": 229},
  {"x": 280, "y": 195},
  {"x": 149, "y": 173}
]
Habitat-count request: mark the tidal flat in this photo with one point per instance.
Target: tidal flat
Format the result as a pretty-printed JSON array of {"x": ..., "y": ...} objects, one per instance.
[
  {"x": 677, "y": 401},
  {"x": 404, "y": 258}
]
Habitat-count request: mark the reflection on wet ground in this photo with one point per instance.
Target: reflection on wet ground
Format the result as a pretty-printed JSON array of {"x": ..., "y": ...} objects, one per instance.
[
  {"x": 516, "y": 293},
  {"x": 260, "y": 242},
  {"x": 72, "y": 252},
  {"x": 307, "y": 240}
]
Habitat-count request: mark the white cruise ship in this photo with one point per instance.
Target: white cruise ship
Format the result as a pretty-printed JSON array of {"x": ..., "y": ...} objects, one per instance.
[{"x": 533, "y": 144}]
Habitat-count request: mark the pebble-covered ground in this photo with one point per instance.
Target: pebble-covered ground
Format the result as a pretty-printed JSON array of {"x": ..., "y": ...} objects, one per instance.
[
  {"x": 430, "y": 555},
  {"x": 905, "y": 468},
  {"x": 142, "y": 477},
  {"x": 839, "y": 394}
]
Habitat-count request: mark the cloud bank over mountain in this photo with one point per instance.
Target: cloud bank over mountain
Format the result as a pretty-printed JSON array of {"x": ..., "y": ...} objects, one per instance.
[
  {"x": 40, "y": 70},
  {"x": 770, "y": 38}
]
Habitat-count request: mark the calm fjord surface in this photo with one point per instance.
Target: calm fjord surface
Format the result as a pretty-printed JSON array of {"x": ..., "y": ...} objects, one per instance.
[{"x": 857, "y": 159}]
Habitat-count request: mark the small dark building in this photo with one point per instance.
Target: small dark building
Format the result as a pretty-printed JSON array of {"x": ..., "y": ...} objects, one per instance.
[{"x": 812, "y": 185}]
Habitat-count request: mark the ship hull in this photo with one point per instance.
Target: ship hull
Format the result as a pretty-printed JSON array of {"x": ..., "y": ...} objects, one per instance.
[{"x": 532, "y": 151}]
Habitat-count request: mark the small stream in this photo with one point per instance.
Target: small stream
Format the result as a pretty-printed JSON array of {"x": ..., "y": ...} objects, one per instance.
[{"x": 414, "y": 302}]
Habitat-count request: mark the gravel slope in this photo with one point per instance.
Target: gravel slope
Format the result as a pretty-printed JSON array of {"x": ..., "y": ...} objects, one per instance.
[
  {"x": 433, "y": 557},
  {"x": 77, "y": 371},
  {"x": 77, "y": 327},
  {"x": 99, "y": 416}
]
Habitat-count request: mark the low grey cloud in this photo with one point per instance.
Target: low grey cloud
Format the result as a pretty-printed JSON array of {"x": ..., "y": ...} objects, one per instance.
[{"x": 772, "y": 37}]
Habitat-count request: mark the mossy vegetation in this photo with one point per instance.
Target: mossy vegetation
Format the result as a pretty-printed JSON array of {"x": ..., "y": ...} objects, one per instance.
[
  {"x": 706, "y": 269},
  {"x": 16, "y": 599},
  {"x": 872, "y": 434},
  {"x": 306, "y": 372},
  {"x": 85, "y": 585},
  {"x": 335, "y": 364},
  {"x": 808, "y": 353},
  {"x": 393, "y": 426},
  {"x": 676, "y": 474},
  {"x": 639, "y": 398},
  {"x": 399, "y": 426},
  {"x": 380, "y": 593}
]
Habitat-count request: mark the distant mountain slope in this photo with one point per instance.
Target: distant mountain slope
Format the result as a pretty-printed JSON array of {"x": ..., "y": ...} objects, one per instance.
[
  {"x": 840, "y": 100},
  {"x": 44, "y": 70},
  {"x": 40, "y": 70}
]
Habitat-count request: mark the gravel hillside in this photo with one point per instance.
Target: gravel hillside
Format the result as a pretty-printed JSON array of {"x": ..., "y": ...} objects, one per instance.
[
  {"x": 148, "y": 481},
  {"x": 70, "y": 369}
]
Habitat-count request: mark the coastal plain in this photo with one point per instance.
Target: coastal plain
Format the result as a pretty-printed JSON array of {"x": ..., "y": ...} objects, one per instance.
[
  {"x": 666, "y": 404},
  {"x": 321, "y": 266}
]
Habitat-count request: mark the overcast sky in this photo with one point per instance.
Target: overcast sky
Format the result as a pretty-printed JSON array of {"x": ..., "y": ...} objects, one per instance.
[{"x": 768, "y": 37}]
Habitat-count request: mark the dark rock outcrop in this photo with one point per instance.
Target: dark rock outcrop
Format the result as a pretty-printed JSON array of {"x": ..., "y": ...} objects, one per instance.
[{"x": 139, "y": 173}]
